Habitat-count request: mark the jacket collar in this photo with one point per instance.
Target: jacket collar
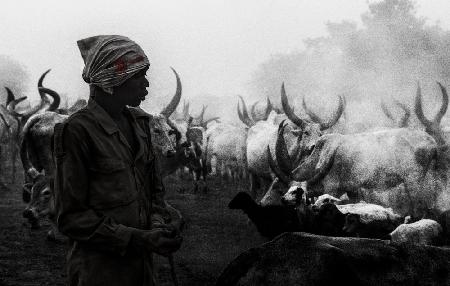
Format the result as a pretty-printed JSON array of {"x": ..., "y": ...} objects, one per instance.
[{"x": 107, "y": 122}]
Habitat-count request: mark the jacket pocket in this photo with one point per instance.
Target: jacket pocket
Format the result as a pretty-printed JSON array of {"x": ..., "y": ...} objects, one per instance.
[{"x": 110, "y": 183}]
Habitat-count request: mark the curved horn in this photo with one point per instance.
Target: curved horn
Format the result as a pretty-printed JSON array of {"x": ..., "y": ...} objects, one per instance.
[
  {"x": 273, "y": 166},
  {"x": 418, "y": 108},
  {"x": 281, "y": 151},
  {"x": 12, "y": 105},
  {"x": 40, "y": 81},
  {"x": 170, "y": 108},
  {"x": 241, "y": 117},
  {"x": 253, "y": 112},
  {"x": 337, "y": 114},
  {"x": 386, "y": 111},
  {"x": 10, "y": 96},
  {"x": 56, "y": 98},
  {"x": 289, "y": 111},
  {"x": 247, "y": 120},
  {"x": 269, "y": 108},
  {"x": 202, "y": 113},
  {"x": 443, "y": 109},
  {"x": 407, "y": 113}
]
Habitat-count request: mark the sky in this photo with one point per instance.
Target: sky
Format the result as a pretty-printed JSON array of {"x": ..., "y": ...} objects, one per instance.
[{"x": 214, "y": 45}]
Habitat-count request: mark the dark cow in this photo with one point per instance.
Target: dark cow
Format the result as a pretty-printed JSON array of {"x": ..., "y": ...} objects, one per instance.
[{"x": 303, "y": 260}]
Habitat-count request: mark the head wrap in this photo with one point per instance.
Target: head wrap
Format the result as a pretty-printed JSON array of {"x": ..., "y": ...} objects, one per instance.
[{"x": 110, "y": 60}]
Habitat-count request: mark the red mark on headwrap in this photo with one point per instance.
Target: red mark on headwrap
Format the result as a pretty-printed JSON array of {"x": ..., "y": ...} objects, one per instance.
[{"x": 120, "y": 65}]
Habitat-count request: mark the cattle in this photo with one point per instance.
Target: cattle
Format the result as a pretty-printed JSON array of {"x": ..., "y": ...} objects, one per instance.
[
  {"x": 264, "y": 133},
  {"x": 226, "y": 145},
  {"x": 327, "y": 218},
  {"x": 12, "y": 121},
  {"x": 302, "y": 259},
  {"x": 424, "y": 231},
  {"x": 37, "y": 160},
  {"x": 393, "y": 168}
]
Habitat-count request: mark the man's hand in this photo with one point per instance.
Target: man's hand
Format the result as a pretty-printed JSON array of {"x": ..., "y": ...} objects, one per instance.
[{"x": 163, "y": 241}]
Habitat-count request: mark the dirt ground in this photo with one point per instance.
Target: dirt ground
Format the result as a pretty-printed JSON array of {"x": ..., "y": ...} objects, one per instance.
[{"x": 213, "y": 236}]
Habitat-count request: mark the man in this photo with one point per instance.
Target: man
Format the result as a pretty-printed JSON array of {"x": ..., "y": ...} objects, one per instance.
[{"x": 108, "y": 188}]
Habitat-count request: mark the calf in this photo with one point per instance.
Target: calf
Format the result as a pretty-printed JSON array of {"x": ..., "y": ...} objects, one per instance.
[
  {"x": 424, "y": 231},
  {"x": 271, "y": 220}
]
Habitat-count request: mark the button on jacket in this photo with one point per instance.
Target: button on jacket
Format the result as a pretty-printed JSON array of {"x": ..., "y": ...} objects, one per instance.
[{"x": 102, "y": 187}]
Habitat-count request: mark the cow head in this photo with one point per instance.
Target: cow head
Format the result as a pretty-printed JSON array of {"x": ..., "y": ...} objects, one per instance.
[
  {"x": 256, "y": 116},
  {"x": 432, "y": 127},
  {"x": 38, "y": 196},
  {"x": 165, "y": 135}
]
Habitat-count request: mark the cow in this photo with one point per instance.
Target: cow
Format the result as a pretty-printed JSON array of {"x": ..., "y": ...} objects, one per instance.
[
  {"x": 264, "y": 133},
  {"x": 302, "y": 259},
  {"x": 12, "y": 122},
  {"x": 226, "y": 145},
  {"x": 393, "y": 168}
]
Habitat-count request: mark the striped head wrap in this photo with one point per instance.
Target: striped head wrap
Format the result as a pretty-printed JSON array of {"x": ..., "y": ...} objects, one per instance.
[{"x": 110, "y": 60}]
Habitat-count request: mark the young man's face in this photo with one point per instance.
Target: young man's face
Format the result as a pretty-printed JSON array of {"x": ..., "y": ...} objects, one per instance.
[{"x": 133, "y": 91}]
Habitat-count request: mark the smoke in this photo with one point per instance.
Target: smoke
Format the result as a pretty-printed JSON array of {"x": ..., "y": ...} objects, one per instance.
[
  {"x": 14, "y": 76},
  {"x": 380, "y": 61}
]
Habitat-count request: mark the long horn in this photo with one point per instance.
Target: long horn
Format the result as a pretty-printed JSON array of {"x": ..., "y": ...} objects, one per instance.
[
  {"x": 407, "y": 114},
  {"x": 170, "y": 108},
  {"x": 56, "y": 98},
  {"x": 12, "y": 105},
  {"x": 40, "y": 81},
  {"x": 241, "y": 117},
  {"x": 418, "y": 109},
  {"x": 289, "y": 111},
  {"x": 269, "y": 108},
  {"x": 247, "y": 120},
  {"x": 386, "y": 111},
  {"x": 337, "y": 114},
  {"x": 202, "y": 113},
  {"x": 273, "y": 166},
  {"x": 253, "y": 112},
  {"x": 281, "y": 151},
  {"x": 443, "y": 109},
  {"x": 10, "y": 96}
]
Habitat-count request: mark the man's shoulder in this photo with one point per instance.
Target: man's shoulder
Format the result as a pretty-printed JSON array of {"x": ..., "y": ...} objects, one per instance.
[{"x": 78, "y": 120}]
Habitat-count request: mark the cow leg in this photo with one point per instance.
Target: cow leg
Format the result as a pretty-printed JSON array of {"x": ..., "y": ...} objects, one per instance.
[{"x": 14, "y": 152}]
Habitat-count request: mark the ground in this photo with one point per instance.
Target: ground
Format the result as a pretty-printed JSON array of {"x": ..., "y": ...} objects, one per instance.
[{"x": 213, "y": 236}]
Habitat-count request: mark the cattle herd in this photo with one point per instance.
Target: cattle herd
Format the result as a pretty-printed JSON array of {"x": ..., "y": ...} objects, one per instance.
[{"x": 368, "y": 207}]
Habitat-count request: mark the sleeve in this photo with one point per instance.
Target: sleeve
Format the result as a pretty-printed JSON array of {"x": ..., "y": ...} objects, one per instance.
[{"x": 74, "y": 217}]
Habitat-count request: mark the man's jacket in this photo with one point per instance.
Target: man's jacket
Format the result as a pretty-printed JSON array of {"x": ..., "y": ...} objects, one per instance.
[{"x": 101, "y": 189}]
